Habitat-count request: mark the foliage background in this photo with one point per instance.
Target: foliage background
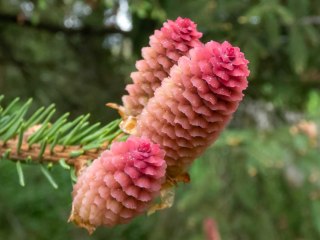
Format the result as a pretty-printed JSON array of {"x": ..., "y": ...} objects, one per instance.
[{"x": 258, "y": 181}]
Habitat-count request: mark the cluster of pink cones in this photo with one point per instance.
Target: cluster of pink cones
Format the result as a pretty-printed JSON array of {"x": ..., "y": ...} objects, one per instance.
[{"x": 183, "y": 94}]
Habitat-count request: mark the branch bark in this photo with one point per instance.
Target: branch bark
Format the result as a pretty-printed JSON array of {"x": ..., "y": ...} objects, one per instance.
[{"x": 26, "y": 153}]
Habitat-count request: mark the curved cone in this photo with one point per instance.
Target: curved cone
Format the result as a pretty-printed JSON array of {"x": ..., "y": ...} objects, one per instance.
[
  {"x": 119, "y": 185},
  {"x": 167, "y": 45},
  {"x": 194, "y": 104}
]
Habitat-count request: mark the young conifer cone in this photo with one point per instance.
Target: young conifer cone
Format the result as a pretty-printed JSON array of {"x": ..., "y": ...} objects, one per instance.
[
  {"x": 119, "y": 185},
  {"x": 195, "y": 103},
  {"x": 167, "y": 45}
]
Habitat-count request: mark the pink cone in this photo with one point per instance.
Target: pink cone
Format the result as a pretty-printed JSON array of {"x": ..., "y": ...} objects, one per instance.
[
  {"x": 119, "y": 185},
  {"x": 211, "y": 230},
  {"x": 167, "y": 45},
  {"x": 193, "y": 105}
]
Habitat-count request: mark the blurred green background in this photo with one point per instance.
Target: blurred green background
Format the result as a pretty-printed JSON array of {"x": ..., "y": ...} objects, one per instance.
[{"x": 260, "y": 180}]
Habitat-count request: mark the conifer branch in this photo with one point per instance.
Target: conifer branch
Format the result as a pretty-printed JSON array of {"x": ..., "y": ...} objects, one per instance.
[{"x": 37, "y": 139}]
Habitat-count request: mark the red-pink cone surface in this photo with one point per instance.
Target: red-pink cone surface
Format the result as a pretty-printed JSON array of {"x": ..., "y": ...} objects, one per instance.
[
  {"x": 167, "y": 45},
  {"x": 211, "y": 230},
  {"x": 194, "y": 104},
  {"x": 119, "y": 185}
]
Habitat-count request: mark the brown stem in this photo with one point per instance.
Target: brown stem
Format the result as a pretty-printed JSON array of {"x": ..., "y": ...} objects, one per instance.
[{"x": 59, "y": 152}]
